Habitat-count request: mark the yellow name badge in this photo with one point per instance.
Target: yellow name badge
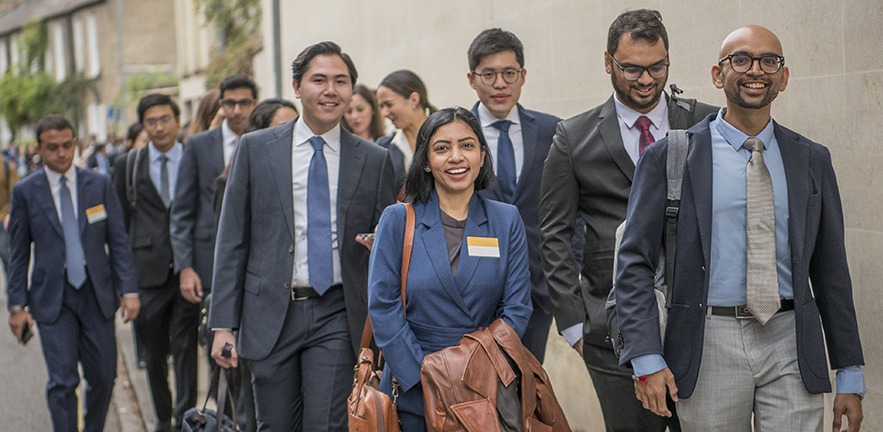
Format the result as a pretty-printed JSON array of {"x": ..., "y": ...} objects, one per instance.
[
  {"x": 488, "y": 247},
  {"x": 96, "y": 214}
]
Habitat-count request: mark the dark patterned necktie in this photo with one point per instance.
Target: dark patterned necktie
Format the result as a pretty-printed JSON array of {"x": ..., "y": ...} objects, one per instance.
[
  {"x": 643, "y": 123},
  {"x": 505, "y": 162},
  {"x": 761, "y": 277}
]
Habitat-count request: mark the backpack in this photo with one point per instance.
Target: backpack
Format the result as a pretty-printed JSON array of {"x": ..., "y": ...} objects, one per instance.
[{"x": 676, "y": 162}]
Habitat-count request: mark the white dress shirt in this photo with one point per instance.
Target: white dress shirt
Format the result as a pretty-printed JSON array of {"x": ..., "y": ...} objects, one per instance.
[
  {"x": 631, "y": 134},
  {"x": 230, "y": 142},
  {"x": 301, "y": 153},
  {"x": 492, "y": 135},
  {"x": 55, "y": 187}
]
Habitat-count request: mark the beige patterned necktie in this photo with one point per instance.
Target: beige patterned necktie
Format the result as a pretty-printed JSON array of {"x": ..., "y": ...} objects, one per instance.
[{"x": 761, "y": 277}]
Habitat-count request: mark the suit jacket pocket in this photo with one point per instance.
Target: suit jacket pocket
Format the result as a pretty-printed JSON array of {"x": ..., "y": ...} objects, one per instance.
[
  {"x": 252, "y": 283},
  {"x": 477, "y": 416},
  {"x": 813, "y": 199}
]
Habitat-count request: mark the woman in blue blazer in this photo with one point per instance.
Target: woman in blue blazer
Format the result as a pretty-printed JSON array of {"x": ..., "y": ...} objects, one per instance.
[{"x": 468, "y": 265}]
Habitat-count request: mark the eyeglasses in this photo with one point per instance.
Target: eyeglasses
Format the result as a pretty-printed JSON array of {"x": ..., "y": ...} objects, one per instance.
[
  {"x": 489, "y": 77},
  {"x": 769, "y": 63},
  {"x": 152, "y": 123},
  {"x": 231, "y": 103},
  {"x": 634, "y": 73}
]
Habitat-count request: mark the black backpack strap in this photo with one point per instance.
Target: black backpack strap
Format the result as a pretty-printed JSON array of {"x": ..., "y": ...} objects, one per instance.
[
  {"x": 676, "y": 163},
  {"x": 132, "y": 159}
]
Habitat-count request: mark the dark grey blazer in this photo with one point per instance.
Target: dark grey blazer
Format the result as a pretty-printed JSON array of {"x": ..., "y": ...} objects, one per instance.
[
  {"x": 193, "y": 217},
  {"x": 815, "y": 230},
  {"x": 588, "y": 171},
  {"x": 255, "y": 248}
]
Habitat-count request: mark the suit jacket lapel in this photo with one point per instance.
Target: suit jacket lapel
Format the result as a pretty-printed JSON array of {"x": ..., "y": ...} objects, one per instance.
[
  {"x": 217, "y": 151},
  {"x": 144, "y": 182},
  {"x": 699, "y": 176},
  {"x": 44, "y": 192},
  {"x": 352, "y": 160},
  {"x": 529, "y": 133},
  {"x": 795, "y": 158},
  {"x": 83, "y": 184},
  {"x": 476, "y": 226},
  {"x": 278, "y": 153},
  {"x": 435, "y": 245},
  {"x": 608, "y": 127}
]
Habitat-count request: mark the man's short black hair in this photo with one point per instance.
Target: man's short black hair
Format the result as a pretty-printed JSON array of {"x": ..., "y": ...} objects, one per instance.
[
  {"x": 493, "y": 41},
  {"x": 643, "y": 25},
  {"x": 302, "y": 62},
  {"x": 153, "y": 100},
  {"x": 53, "y": 122},
  {"x": 239, "y": 81}
]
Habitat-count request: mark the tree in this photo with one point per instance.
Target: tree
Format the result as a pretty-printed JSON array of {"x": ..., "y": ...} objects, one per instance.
[{"x": 237, "y": 22}]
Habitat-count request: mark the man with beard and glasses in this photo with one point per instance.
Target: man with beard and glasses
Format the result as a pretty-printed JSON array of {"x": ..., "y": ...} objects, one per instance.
[
  {"x": 589, "y": 172},
  {"x": 760, "y": 269}
]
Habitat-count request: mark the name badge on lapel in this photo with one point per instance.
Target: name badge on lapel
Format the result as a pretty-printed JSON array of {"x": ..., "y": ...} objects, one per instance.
[
  {"x": 96, "y": 214},
  {"x": 488, "y": 247}
]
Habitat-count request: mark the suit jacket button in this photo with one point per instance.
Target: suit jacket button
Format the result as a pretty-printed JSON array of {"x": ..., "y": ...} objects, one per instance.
[
  {"x": 287, "y": 285},
  {"x": 291, "y": 249}
]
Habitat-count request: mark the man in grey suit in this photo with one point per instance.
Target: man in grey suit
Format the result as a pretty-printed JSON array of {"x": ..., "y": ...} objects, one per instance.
[
  {"x": 290, "y": 276},
  {"x": 205, "y": 156},
  {"x": 589, "y": 172},
  {"x": 497, "y": 73},
  {"x": 761, "y": 282}
]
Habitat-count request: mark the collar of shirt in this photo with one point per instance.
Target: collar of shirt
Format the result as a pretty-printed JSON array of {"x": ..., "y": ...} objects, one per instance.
[
  {"x": 629, "y": 116},
  {"x": 736, "y": 138},
  {"x": 487, "y": 119},
  {"x": 303, "y": 133},
  {"x": 54, "y": 177},
  {"x": 228, "y": 134},
  {"x": 174, "y": 153}
]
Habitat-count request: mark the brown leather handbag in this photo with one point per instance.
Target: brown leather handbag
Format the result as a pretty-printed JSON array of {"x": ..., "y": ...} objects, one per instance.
[{"x": 368, "y": 408}]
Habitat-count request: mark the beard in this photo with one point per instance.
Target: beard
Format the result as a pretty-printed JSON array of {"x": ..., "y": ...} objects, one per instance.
[
  {"x": 734, "y": 95},
  {"x": 622, "y": 87}
]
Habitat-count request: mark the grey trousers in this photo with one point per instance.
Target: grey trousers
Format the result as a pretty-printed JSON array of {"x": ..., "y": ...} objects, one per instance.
[{"x": 749, "y": 372}]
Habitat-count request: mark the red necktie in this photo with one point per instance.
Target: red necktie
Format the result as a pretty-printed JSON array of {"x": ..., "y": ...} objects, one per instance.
[{"x": 643, "y": 123}]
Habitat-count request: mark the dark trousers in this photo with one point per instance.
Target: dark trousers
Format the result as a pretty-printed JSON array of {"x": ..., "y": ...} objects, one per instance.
[
  {"x": 79, "y": 336},
  {"x": 537, "y": 334},
  {"x": 167, "y": 325},
  {"x": 614, "y": 386},
  {"x": 302, "y": 385}
]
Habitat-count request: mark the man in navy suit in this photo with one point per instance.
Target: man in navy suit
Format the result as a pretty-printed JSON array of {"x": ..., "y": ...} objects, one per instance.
[
  {"x": 289, "y": 275},
  {"x": 497, "y": 73},
  {"x": 588, "y": 173},
  {"x": 731, "y": 357},
  {"x": 82, "y": 267}
]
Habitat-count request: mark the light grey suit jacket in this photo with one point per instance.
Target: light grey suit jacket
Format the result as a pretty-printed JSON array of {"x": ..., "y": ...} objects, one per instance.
[{"x": 254, "y": 257}]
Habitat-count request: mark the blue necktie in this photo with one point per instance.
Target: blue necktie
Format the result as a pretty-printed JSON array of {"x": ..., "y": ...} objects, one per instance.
[
  {"x": 319, "y": 220},
  {"x": 505, "y": 162},
  {"x": 74, "y": 261}
]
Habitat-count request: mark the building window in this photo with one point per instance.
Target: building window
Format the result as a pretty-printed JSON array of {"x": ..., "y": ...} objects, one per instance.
[
  {"x": 4, "y": 59},
  {"x": 78, "y": 44},
  {"x": 58, "y": 48},
  {"x": 92, "y": 40}
]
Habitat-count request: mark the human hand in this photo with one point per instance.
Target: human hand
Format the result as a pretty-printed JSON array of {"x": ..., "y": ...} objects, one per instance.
[
  {"x": 191, "y": 286},
  {"x": 365, "y": 240},
  {"x": 223, "y": 337},
  {"x": 578, "y": 346},
  {"x": 18, "y": 321},
  {"x": 651, "y": 391},
  {"x": 850, "y": 405},
  {"x": 130, "y": 307}
]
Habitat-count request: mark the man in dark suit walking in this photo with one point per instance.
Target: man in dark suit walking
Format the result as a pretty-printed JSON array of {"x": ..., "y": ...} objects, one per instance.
[
  {"x": 204, "y": 158},
  {"x": 145, "y": 181},
  {"x": 588, "y": 173},
  {"x": 82, "y": 267},
  {"x": 519, "y": 140},
  {"x": 290, "y": 277},
  {"x": 760, "y": 267}
]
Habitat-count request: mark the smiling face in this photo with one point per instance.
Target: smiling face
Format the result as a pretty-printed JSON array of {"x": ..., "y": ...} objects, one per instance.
[
  {"x": 455, "y": 158},
  {"x": 754, "y": 89},
  {"x": 359, "y": 115},
  {"x": 325, "y": 90},
  {"x": 499, "y": 97},
  {"x": 643, "y": 94}
]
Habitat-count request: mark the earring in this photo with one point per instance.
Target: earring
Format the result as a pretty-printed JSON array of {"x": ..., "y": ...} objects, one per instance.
[{"x": 426, "y": 168}]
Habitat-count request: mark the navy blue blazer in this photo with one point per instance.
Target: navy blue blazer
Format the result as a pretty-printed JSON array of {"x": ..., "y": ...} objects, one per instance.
[
  {"x": 34, "y": 221},
  {"x": 442, "y": 308},
  {"x": 537, "y": 131},
  {"x": 815, "y": 229}
]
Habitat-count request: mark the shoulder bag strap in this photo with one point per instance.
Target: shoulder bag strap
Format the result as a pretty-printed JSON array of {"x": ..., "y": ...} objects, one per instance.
[
  {"x": 676, "y": 163},
  {"x": 407, "y": 245}
]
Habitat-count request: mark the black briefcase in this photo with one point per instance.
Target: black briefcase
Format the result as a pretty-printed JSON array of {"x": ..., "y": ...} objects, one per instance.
[{"x": 207, "y": 420}]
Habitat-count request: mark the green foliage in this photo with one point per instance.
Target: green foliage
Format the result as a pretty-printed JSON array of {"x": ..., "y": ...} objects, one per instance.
[
  {"x": 34, "y": 41},
  {"x": 238, "y": 22},
  {"x": 140, "y": 82}
]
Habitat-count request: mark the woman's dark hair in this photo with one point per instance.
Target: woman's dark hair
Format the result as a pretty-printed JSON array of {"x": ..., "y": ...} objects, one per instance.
[
  {"x": 405, "y": 82},
  {"x": 419, "y": 184},
  {"x": 205, "y": 112},
  {"x": 263, "y": 113},
  {"x": 376, "y": 127},
  {"x": 133, "y": 132}
]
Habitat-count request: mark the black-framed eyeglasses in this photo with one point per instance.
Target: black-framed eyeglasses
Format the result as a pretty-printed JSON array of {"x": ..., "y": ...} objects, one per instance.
[
  {"x": 152, "y": 123},
  {"x": 489, "y": 77},
  {"x": 769, "y": 63},
  {"x": 634, "y": 73},
  {"x": 231, "y": 103}
]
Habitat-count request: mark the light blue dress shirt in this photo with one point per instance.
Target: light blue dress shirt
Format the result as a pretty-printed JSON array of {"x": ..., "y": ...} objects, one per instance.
[{"x": 174, "y": 155}]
